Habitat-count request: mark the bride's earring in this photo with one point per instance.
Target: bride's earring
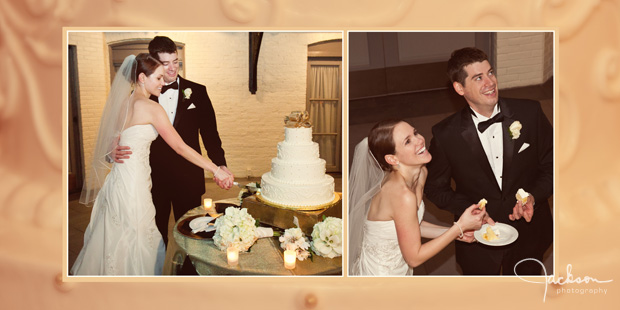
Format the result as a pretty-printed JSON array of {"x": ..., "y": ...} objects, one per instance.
[
  {"x": 392, "y": 160},
  {"x": 397, "y": 164}
]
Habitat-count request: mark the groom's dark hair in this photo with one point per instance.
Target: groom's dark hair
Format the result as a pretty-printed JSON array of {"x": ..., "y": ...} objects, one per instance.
[
  {"x": 462, "y": 58},
  {"x": 161, "y": 44}
]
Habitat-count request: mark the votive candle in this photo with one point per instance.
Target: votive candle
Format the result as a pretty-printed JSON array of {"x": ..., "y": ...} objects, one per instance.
[
  {"x": 207, "y": 204},
  {"x": 290, "y": 256},
  {"x": 233, "y": 256}
]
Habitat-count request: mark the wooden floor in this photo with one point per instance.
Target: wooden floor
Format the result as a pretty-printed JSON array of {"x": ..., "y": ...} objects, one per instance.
[{"x": 79, "y": 215}]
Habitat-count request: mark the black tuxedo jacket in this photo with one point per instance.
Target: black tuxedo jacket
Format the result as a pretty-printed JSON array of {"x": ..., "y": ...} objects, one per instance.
[
  {"x": 194, "y": 115},
  {"x": 458, "y": 155}
]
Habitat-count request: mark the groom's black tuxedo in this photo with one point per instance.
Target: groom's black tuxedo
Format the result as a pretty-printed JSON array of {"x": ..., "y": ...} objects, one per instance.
[
  {"x": 175, "y": 179},
  {"x": 458, "y": 155}
]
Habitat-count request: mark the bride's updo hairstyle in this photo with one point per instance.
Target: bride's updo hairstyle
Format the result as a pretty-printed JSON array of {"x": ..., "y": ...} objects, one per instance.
[
  {"x": 146, "y": 64},
  {"x": 381, "y": 142}
]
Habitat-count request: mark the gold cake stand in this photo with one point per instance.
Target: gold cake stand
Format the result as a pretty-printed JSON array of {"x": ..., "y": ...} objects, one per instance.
[
  {"x": 282, "y": 216},
  {"x": 337, "y": 197}
]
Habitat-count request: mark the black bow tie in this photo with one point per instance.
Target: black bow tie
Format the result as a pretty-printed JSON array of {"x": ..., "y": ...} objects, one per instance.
[
  {"x": 482, "y": 126},
  {"x": 174, "y": 85}
]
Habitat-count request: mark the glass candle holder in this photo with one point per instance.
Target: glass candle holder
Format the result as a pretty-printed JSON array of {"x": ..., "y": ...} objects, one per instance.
[
  {"x": 207, "y": 204},
  {"x": 290, "y": 257},
  {"x": 232, "y": 253}
]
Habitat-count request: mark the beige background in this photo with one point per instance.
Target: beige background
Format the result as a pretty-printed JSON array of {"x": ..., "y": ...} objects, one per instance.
[{"x": 32, "y": 141}]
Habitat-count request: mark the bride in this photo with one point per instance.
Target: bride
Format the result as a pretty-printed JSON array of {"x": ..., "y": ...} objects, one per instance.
[
  {"x": 121, "y": 237},
  {"x": 386, "y": 208}
]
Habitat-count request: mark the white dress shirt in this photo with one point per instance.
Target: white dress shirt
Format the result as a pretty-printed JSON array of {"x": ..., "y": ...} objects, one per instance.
[
  {"x": 492, "y": 143},
  {"x": 169, "y": 101}
]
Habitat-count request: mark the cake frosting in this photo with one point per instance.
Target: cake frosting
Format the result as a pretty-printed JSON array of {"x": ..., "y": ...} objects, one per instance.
[
  {"x": 297, "y": 177},
  {"x": 522, "y": 196}
]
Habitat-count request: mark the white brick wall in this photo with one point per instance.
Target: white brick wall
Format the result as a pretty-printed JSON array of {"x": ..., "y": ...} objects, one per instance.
[
  {"x": 94, "y": 83},
  {"x": 521, "y": 58},
  {"x": 250, "y": 126}
]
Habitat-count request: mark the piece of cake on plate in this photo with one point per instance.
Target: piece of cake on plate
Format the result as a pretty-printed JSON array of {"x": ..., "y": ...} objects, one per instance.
[{"x": 492, "y": 233}]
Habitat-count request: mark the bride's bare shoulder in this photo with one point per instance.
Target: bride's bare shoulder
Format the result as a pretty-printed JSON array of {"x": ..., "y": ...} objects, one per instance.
[
  {"x": 394, "y": 184},
  {"x": 146, "y": 105},
  {"x": 143, "y": 101},
  {"x": 398, "y": 194}
]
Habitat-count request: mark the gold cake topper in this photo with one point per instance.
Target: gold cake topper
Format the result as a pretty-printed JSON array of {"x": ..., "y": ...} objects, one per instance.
[{"x": 297, "y": 119}]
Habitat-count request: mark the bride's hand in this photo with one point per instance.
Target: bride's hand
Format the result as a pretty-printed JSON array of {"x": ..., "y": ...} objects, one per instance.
[
  {"x": 225, "y": 183},
  {"x": 471, "y": 219},
  {"x": 223, "y": 178}
]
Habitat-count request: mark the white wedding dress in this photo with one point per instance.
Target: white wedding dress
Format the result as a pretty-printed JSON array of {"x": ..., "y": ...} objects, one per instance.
[
  {"x": 122, "y": 238},
  {"x": 380, "y": 254}
]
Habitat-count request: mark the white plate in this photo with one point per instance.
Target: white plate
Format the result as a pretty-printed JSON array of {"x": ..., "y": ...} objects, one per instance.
[
  {"x": 201, "y": 223},
  {"x": 507, "y": 234}
]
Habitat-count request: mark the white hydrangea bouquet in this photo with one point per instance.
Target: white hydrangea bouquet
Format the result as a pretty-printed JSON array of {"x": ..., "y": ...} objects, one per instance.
[
  {"x": 235, "y": 228},
  {"x": 294, "y": 239},
  {"x": 327, "y": 237}
]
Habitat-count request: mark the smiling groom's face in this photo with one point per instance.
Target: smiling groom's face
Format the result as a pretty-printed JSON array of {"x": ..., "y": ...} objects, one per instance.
[
  {"x": 480, "y": 89},
  {"x": 171, "y": 66}
]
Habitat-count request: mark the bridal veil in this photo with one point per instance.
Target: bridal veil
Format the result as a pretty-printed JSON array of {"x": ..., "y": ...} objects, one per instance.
[
  {"x": 113, "y": 118},
  {"x": 364, "y": 183}
]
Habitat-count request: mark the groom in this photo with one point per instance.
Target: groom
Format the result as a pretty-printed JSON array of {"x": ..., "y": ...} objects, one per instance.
[
  {"x": 477, "y": 150},
  {"x": 177, "y": 183}
]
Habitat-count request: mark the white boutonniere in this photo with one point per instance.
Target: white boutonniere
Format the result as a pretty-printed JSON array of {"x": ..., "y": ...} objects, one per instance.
[
  {"x": 187, "y": 92},
  {"x": 515, "y": 130}
]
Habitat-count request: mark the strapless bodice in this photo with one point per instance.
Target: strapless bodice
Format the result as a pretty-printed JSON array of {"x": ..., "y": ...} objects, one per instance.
[
  {"x": 381, "y": 253},
  {"x": 138, "y": 137}
]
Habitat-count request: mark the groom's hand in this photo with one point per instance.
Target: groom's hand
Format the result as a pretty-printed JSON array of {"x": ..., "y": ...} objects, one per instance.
[
  {"x": 120, "y": 153},
  {"x": 468, "y": 236},
  {"x": 225, "y": 183},
  {"x": 523, "y": 210}
]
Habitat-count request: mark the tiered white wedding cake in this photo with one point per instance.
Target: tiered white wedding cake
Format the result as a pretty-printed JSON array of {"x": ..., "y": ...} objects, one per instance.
[{"x": 297, "y": 178}]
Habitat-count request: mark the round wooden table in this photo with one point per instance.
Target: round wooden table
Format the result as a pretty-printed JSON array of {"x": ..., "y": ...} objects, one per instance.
[{"x": 265, "y": 257}]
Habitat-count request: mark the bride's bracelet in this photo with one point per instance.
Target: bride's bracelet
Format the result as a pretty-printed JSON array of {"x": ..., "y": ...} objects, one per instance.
[
  {"x": 216, "y": 171},
  {"x": 461, "y": 229}
]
